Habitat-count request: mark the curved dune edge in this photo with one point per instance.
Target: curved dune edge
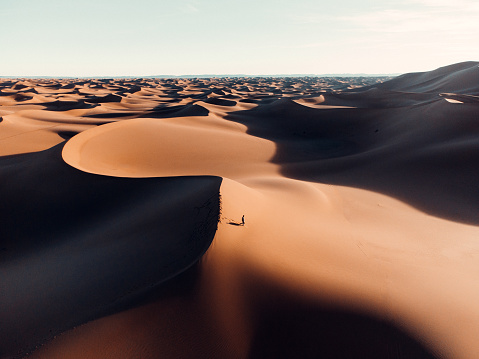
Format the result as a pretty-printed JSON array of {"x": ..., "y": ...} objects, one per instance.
[{"x": 158, "y": 148}]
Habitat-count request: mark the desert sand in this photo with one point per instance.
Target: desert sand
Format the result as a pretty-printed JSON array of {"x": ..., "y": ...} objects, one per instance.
[{"x": 240, "y": 217}]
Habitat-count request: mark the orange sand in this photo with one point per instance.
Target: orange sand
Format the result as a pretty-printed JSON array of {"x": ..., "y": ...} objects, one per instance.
[{"x": 360, "y": 206}]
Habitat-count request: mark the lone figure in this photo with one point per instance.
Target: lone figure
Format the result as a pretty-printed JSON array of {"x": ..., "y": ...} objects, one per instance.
[{"x": 242, "y": 220}]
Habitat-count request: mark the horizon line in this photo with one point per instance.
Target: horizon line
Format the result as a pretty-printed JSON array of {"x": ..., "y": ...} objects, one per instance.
[{"x": 200, "y": 76}]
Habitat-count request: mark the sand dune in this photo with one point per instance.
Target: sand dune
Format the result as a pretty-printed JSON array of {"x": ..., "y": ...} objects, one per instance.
[
  {"x": 240, "y": 217},
  {"x": 461, "y": 78},
  {"x": 90, "y": 243}
]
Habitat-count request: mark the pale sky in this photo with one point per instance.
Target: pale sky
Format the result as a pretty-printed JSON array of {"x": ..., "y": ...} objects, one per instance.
[{"x": 178, "y": 37}]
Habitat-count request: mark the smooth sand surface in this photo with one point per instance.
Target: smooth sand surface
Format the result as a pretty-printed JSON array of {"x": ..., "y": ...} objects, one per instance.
[{"x": 241, "y": 218}]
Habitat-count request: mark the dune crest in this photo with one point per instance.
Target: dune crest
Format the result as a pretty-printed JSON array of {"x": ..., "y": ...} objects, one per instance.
[{"x": 155, "y": 148}]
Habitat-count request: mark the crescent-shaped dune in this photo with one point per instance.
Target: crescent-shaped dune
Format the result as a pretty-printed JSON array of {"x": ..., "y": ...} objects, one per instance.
[
  {"x": 147, "y": 147},
  {"x": 240, "y": 218}
]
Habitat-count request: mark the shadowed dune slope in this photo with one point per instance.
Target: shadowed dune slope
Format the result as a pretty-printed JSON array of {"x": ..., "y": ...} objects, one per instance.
[
  {"x": 75, "y": 246},
  {"x": 461, "y": 78},
  {"x": 424, "y": 154}
]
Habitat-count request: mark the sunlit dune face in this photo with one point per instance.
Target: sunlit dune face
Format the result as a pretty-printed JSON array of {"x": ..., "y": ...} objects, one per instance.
[
  {"x": 153, "y": 147},
  {"x": 450, "y": 100}
]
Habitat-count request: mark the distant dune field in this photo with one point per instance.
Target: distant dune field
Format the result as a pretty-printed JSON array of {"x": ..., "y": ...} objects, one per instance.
[{"x": 240, "y": 217}]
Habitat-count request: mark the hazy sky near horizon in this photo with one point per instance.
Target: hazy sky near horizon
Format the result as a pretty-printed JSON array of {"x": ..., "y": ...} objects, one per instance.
[{"x": 166, "y": 37}]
